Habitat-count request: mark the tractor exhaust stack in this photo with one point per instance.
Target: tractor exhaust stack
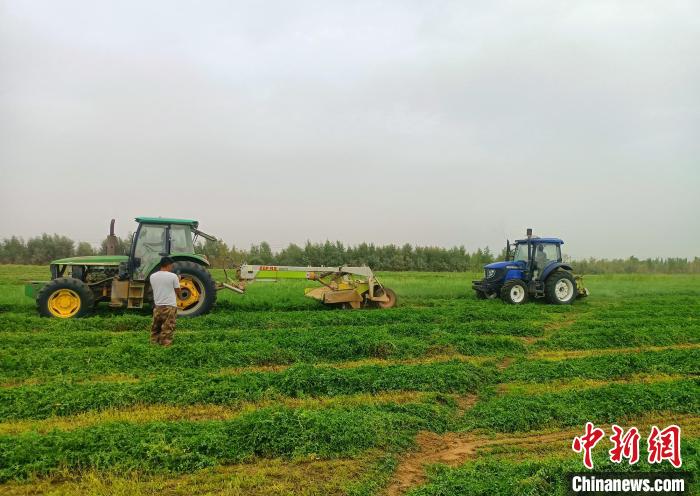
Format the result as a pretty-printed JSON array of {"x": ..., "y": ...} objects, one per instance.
[{"x": 111, "y": 242}]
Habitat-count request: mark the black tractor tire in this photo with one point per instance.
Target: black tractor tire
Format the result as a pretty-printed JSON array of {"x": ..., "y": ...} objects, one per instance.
[
  {"x": 385, "y": 304},
  {"x": 205, "y": 285},
  {"x": 480, "y": 295},
  {"x": 514, "y": 292},
  {"x": 560, "y": 288},
  {"x": 72, "y": 286}
]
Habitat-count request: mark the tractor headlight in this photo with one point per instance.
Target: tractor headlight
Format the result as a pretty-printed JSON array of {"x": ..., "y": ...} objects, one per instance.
[{"x": 490, "y": 273}]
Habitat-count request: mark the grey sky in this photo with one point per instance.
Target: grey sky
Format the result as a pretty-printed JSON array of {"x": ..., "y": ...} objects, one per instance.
[{"x": 440, "y": 123}]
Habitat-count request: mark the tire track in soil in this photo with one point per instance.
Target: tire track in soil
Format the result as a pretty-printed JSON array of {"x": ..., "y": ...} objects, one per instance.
[
  {"x": 552, "y": 327},
  {"x": 455, "y": 449}
]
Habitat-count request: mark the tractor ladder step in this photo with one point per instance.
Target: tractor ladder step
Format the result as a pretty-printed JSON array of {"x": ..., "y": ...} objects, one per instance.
[
  {"x": 538, "y": 289},
  {"x": 135, "y": 295}
]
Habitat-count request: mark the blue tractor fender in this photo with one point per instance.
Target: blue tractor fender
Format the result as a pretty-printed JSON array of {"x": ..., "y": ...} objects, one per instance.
[{"x": 554, "y": 266}]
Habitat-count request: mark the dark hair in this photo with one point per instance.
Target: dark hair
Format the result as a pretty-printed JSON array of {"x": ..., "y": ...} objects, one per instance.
[{"x": 165, "y": 261}]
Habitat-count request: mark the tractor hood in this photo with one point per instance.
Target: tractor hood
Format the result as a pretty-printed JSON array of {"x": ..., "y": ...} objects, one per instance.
[
  {"x": 504, "y": 264},
  {"x": 92, "y": 260}
]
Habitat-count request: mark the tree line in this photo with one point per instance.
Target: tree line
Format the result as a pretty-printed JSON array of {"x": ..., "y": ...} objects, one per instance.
[{"x": 40, "y": 250}]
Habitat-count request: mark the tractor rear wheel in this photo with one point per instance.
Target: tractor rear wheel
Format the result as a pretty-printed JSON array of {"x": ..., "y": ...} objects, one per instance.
[
  {"x": 560, "y": 288},
  {"x": 65, "y": 298},
  {"x": 197, "y": 289},
  {"x": 514, "y": 292}
]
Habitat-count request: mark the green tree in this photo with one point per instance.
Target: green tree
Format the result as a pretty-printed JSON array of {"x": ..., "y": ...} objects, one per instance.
[
  {"x": 42, "y": 249},
  {"x": 217, "y": 252},
  {"x": 84, "y": 249},
  {"x": 14, "y": 251},
  {"x": 261, "y": 254},
  {"x": 291, "y": 255}
]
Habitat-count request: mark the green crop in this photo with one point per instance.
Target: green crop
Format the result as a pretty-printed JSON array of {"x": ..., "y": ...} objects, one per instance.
[
  {"x": 131, "y": 352},
  {"x": 614, "y": 365},
  {"x": 65, "y": 398},
  {"x": 275, "y": 379},
  {"x": 186, "y": 446},
  {"x": 520, "y": 412}
]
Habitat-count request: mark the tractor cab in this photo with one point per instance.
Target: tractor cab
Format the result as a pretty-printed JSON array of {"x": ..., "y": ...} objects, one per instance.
[
  {"x": 157, "y": 237},
  {"x": 533, "y": 268},
  {"x": 537, "y": 255}
]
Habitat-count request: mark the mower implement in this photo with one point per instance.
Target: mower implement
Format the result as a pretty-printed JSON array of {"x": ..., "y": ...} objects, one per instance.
[{"x": 346, "y": 287}]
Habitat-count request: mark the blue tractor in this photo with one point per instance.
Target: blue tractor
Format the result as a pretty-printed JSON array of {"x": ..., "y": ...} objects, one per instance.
[{"x": 533, "y": 269}]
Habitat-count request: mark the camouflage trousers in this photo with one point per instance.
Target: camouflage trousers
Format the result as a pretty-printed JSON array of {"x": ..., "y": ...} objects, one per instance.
[{"x": 163, "y": 326}]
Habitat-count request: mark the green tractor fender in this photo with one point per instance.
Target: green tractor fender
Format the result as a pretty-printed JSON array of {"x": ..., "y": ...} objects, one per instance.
[
  {"x": 191, "y": 257},
  {"x": 179, "y": 257}
]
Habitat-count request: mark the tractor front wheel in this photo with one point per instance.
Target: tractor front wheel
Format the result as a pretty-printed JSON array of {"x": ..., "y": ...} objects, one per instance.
[
  {"x": 514, "y": 292},
  {"x": 197, "y": 289},
  {"x": 65, "y": 298},
  {"x": 560, "y": 288}
]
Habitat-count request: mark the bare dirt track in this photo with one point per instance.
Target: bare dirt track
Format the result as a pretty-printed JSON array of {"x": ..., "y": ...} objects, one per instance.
[{"x": 454, "y": 449}]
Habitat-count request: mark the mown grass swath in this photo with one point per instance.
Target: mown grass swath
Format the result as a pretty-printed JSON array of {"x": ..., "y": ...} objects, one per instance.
[
  {"x": 186, "y": 446},
  {"x": 66, "y": 398},
  {"x": 609, "y": 366},
  {"x": 520, "y": 412},
  {"x": 132, "y": 353}
]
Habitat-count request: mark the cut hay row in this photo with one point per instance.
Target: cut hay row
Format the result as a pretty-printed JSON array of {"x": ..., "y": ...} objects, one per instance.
[{"x": 68, "y": 398}]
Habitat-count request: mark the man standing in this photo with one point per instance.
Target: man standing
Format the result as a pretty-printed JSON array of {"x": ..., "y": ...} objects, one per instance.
[{"x": 165, "y": 285}]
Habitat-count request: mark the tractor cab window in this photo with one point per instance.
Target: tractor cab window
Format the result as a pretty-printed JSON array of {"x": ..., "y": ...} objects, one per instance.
[
  {"x": 520, "y": 252},
  {"x": 149, "y": 246},
  {"x": 543, "y": 253},
  {"x": 546, "y": 253},
  {"x": 180, "y": 239}
]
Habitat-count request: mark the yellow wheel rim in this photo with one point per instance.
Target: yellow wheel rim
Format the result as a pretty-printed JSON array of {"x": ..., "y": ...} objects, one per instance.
[
  {"x": 190, "y": 293},
  {"x": 64, "y": 303}
]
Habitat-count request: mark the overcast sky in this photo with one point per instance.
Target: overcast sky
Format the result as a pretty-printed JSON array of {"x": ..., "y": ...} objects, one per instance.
[{"x": 433, "y": 123}]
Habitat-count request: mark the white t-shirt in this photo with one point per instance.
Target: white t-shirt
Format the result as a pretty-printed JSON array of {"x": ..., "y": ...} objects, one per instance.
[{"x": 163, "y": 284}]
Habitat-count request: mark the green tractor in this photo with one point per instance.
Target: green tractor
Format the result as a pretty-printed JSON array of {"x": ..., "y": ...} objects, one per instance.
[{"x": 79, "y": 283}]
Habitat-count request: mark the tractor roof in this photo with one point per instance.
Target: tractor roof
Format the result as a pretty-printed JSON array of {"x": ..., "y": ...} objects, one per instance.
[
  {"x": 541, "y": 240},
  {"x": 166, "y": 220}
]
